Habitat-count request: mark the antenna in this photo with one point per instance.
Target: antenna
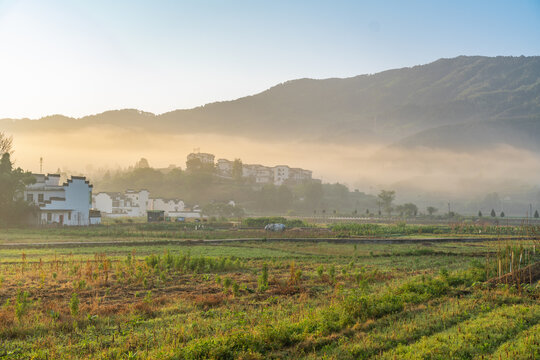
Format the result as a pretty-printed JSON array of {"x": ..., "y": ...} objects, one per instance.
[{"x": 41, "y": 165}]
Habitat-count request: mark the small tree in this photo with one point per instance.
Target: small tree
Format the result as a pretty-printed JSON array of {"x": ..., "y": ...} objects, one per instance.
[
  {"x": 237, "y": 171},
  {"x": 6, "y": 144},
  {"x": 13, "y": 208},
  {"x": 502, "y": 214},
  {"x": 386, "y": 197},
  {"x": 263, "y": 279},
  {"x": 480, "y": 213},
  {"x": 493, "y": 214},
  {"x": 431, "y": 210},
  {"x": 536, "y": 215},
  {"x": 74, "y": 304},
  {"x": 142, "y": 164}
]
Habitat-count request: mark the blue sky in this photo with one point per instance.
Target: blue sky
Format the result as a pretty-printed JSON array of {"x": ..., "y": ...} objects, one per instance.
[{"x": 84, "y": 57}]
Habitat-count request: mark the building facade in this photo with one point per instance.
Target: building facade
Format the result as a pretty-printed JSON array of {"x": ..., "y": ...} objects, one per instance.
[
  {"x": 205, "y": 158},
  {"x": 65, "y": 203},
  {"x": 131, "y": 203}
]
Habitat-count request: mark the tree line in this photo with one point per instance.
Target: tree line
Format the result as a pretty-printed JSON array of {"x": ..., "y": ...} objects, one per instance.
[{"x": 14, "y": 210}]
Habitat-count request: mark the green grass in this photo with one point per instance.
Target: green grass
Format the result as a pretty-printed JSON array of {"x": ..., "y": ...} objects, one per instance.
[{"x": 323, "y": 300}]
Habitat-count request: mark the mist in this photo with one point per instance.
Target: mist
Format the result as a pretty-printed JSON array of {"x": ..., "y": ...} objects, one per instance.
[{"x": 420, "y": 174}]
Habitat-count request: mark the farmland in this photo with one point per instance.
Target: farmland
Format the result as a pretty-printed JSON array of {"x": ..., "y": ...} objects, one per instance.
[{"x": 266, "y": 296}]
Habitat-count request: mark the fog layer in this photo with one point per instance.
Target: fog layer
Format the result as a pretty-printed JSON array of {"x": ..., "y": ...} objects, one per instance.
[{"x": 368, "y": 167}]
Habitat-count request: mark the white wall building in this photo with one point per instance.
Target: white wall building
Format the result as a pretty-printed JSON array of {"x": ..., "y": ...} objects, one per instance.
[
  {"x": 281, "y": 173},
  {"x": 169, "y": 206},
  {"x": 265, "y": 175},
  {"x": 64, "y": 204},
  {"x": 224, "y": 167},
  {"x": 130, "y": 204},
  {"x": 205, "y": 158}
]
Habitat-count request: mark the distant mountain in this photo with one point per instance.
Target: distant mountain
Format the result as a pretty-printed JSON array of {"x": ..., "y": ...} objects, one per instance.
[
  {"x": 522, "y": 133},
  {"x": 450, "y": 103}
]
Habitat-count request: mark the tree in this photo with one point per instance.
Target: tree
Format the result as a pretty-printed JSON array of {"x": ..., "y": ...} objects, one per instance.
[
  {"x": 431, "y": 210},
  {"x": 536, "y": 215},
  {"x": 13, "y": 208},
  {"x": 408, "y": 209},
  {"x": 493, "y": 214},
  {"x": 196, "y": 166},
  {"x": 502, "y": 214},
  {"x": 6, "y": 144},
  {"x": 223, "y": 210},
  {"x": 142, "y": 164},
  {"x": 480, "y": 213},
  {"x": 386, "y": 197},
  {"x": 237, "y": 170}
]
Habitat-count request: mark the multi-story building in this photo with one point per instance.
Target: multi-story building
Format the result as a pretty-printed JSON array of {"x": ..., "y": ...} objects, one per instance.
[
  {"x": 205, "y": 158},
  {"x": 59, "y": 203},
  {"x": 224, "y": 167},
  {"x": 265, "y": 175},
  {"x": 281, "y": 174}
]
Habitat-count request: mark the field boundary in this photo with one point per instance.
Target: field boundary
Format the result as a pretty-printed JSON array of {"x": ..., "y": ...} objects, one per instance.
[{"x": 189, "y": 242}]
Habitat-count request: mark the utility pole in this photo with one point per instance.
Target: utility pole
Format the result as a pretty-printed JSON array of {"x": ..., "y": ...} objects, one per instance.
[{"x": 41, "y": 165}]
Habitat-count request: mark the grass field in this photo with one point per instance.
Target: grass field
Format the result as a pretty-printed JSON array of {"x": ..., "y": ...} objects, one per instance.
[{"x": 262, "y": 299}]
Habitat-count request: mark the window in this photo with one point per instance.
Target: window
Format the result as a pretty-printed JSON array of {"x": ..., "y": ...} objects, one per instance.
[
  {"x": 30, "y": 197},
  {"x": 69, "y": 216},
  {"x": 40, "y": 198},
  {"x": 49, "y": 216}
]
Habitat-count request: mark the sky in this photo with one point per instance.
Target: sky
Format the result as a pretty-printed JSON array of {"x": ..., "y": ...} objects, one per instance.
[{"x": 84, "y": 57}]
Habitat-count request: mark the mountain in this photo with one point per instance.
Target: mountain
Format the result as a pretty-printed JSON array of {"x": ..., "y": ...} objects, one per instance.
[{"x": 444, "y": 103}]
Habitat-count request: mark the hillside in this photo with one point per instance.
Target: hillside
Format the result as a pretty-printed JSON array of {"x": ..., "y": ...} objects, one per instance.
[{"x": 410, "y": 106}]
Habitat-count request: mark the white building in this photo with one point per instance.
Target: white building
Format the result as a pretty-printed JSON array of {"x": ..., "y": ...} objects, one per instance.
[
  {"x": 298, "y": 175},
  {"x": 224, "y": 167},
  {"x": 129, "y": 204},
  {"x": 264, "y": 175},
  {"x": 169, "y": 206},
  {"x": 281, "y": 173},
  {"x": 203, "y": 157},
  {"x": 64, "y": 204},
  {"x": 250, "y": 170}
]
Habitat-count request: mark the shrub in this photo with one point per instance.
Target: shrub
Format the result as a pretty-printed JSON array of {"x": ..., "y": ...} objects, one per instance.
[
  {"x": 263, "y": 279},
  {"x": 74, "y": 304},
  {"x": 21, "y": 304}
]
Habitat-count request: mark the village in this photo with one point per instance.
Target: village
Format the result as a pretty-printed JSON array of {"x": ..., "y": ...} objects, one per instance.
[{"x": 72, "y": 202}]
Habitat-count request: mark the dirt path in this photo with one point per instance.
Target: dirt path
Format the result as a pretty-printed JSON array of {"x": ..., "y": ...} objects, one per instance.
[{"x": 374, "y": 240}]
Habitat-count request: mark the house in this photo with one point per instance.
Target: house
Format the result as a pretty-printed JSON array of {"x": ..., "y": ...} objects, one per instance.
[
  {"x": 59, "y": 203},
  {"x": 298, "y": 175},
  {"x": 168, "y": 206},
  {"x": 203, "y": 157},
  {"x": 281, "y": 174},
  {"x": 224, "y": 167},
  {"x": 264, "y": 175},
  {"x": 131, "y": 203}
]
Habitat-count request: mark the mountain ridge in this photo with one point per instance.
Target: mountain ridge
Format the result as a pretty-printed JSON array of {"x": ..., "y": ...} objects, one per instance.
[{"x": 390, "y": 106}]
